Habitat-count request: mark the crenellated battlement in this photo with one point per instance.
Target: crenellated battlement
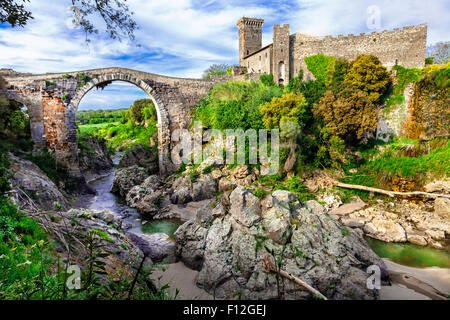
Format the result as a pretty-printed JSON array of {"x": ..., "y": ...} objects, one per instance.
[{"x": 403, "y": 46}]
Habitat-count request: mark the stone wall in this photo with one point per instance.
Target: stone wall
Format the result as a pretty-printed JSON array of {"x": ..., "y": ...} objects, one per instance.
[
  {"x": 53, "y": 100},
  {"x": 260, "y": 61},
  {"x": 405, "y": 47}
]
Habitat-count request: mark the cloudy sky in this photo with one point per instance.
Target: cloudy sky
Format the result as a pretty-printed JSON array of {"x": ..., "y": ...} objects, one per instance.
[{"x": 183, "y": 37}]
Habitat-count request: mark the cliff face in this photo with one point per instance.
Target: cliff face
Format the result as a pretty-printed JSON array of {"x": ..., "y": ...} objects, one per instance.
[
  {"x": 32, "y": 188},
  {"x": 94, "y": 156},
  {"x": 429, "y": 109}
]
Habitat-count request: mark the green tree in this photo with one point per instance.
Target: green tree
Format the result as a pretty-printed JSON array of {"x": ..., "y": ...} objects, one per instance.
[
  {"x": 216, "y": 69},
  {"x": 366, "y": 73},
  {"x": 347, "y": 116},
  {"x": 289, "y": 107}
]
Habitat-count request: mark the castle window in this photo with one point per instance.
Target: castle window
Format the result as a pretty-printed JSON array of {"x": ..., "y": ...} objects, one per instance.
[
  {"x": 247, "y": 51},
  {"x": 396, "y": 61},
  {"x": 259, "y": 58}
]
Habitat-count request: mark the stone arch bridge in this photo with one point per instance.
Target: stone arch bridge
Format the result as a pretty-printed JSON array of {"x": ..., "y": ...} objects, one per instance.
[{"x": 53, "y": 98}]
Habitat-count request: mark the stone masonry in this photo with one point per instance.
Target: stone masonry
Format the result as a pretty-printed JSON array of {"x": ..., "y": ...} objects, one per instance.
[
  {"x": 284, "y": 58},
  {"x": 53, "y": 98}
]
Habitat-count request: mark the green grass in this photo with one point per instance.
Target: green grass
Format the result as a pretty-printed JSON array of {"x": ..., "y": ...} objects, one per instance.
[
  {"x": 95, "y": 127},
  {"x": 434, "y": 164}
]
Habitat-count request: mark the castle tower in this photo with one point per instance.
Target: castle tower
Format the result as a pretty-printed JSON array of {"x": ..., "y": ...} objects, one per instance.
[
  {"x": 281, "y": 54},
  {"x": 250, "y": 36}
]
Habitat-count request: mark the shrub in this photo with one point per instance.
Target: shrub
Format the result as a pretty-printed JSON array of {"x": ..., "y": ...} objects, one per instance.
[
  {"x": 234, "y": 104},
  {"x": 267, "y": 79},
  {"x": 289, "y": 107},
  {"x": 348, "y": 116},
  {"x": 318, "y": 65},
  {"x": 366, "y": 73},
  {"x": 4, "y": 175}
]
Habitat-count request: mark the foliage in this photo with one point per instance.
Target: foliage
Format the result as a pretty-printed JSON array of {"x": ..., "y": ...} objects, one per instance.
[
  {"x": 234, "y": 104},
  {"x": 295, "y": 82},
  {"x": 382, "y": 170},
  {"x": 429, "y": 60},
  {"x": 336, "y": 72},
  {"x": 215, "y": 69},
  {"x": 318, "y": 65},
  {"x": 56, "y": 171},
  {"x": 439, "y": 52},
  {"x": 13, "y": 13},
  {"x": 4, "y": 176},
  {"x": 267, "y": 79},
  {"x": 141, "y": 110},
  {"x": 295, "y": 185},
  {"x": 366, "y": 73},
  {"x": 331, "y": 151},
  {"x": 349, "y": 115},
  {"x": 289, "y": 107},
  {"x": 100, "y": 116},
  {"x": 122, "y": 128},
  {"x": 116, "y": 15}
]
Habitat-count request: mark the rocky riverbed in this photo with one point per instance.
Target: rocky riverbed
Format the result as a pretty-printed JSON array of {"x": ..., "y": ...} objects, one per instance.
[{"x": 226, "y": 232}]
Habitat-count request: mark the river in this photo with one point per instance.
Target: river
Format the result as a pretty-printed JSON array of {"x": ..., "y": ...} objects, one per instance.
[{"x": 407, "y": 263}]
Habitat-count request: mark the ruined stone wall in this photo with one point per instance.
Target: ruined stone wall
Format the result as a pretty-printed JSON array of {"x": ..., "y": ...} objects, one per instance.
[
  {"x": 405, "y": 47},
  {"x": 260, "y": 62},
  {"x": 53, "y": 100}
]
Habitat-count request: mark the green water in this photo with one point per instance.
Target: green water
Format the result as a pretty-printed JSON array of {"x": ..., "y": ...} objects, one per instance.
[
  {"x": 161, "y": 226},
  {"x": 410, "y": 254}
]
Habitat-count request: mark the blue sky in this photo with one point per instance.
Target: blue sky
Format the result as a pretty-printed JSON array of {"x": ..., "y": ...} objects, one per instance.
[{"x": 183, "y": 37}]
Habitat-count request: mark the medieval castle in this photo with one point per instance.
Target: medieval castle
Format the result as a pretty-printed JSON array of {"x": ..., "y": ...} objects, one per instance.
[{"x": 285, "y": 56}]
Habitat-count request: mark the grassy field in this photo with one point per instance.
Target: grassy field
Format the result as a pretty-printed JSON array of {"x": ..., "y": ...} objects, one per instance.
[{"x": 89, "y": 127}]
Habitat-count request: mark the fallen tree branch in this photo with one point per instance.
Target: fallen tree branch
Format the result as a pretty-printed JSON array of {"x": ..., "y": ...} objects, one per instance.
[
  {"x": 392, "y": 193},
  {"x": 269, "y": 265}
]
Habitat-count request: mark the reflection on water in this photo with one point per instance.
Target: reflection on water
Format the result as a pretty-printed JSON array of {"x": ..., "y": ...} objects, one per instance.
[
  {"x": 410, "y": 254},
  {"x": 161, "y": 226}
]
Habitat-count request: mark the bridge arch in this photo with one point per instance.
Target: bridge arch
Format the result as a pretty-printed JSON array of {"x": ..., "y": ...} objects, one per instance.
[{"x": 161, "y": 111}]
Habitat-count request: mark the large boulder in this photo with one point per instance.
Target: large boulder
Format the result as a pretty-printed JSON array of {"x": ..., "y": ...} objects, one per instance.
[
  {"x": 385, "y": 230},
  {"x": 127, "y": 178},
  {"x": 442, "y": 207},
  {"x": 229, "y": 243},
  {"x": 32, "y": 187},
  {"x": 142, "y": 156},
  {"x": 185, "y": 190},
  {"x": 137, "y": 193}
]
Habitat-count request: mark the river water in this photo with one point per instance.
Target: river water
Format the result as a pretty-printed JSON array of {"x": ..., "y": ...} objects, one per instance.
[{"x": 426, "y": 264}]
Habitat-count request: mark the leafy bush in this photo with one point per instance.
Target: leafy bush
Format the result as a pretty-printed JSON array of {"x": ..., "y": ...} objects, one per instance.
[
  {"x": 366, "y": 73},
  {"x": 4, "y": 176},
  {"x": 348, "y": 116},
  {"x": 289, "y": 107},
  {"x": 234, "y": 104},
  {"x": 381, "y": 171},
  {"x": 318, "y": 65},
  {"x": 267, "y": 79}
]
